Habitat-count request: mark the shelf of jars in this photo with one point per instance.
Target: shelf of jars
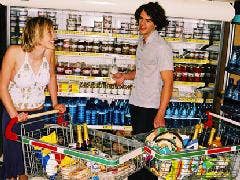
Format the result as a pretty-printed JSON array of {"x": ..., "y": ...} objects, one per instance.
[{"x": 130, "y": 36}]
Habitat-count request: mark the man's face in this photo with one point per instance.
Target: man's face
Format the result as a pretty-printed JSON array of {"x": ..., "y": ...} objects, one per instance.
[{"x": 146, "y": 25}]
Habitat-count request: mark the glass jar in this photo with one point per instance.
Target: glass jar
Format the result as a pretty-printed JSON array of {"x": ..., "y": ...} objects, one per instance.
[
  {"x": 77, "y": 69},
  {"x": 104, "y": 70},
  {"x": 132, "y": 48},
  {"x": 60, "y": 68},
  {"x": 59, "y": 45},
  {"x": 118, "y": 48},
  {"x": 66, "y": 44},
  {"x": 89, "y": 46},
  {"x": 86, "y": 70},
  {"x": 68, "y": 70},
  {"x": 110, "y": 47},
  {"x": 95, "y": 70},
  {"x": 81, "y": 46},
  {"x": 96, "y": 46},
  {"x": 73, "y": 45},
  {"x": 104, "y": 47},
  {"x": 125, "y": 48}
]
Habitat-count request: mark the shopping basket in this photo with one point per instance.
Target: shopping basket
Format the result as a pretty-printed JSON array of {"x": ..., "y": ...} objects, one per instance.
[
  {"x": 50, "y": 152},
  {"x": 220, "y": 160}
]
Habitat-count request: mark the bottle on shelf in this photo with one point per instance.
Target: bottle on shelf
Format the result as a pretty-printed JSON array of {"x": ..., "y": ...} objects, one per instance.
[
  {"x": 230, "y": 89},
  {"x": 112, "y": 70},
  {"x": 236, "y": 92},
  {"x": 233, "y": 60}
]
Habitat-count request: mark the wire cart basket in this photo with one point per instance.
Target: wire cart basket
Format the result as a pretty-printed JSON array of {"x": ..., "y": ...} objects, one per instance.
[
  {"x": 52, "y": 151},
  {"x": 214, "y": 152}
]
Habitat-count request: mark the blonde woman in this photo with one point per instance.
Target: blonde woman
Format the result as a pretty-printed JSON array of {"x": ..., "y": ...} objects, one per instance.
[{"x": 26, "y": 70}]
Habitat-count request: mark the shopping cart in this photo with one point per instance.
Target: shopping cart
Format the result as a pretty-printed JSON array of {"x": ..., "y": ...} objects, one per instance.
[
  {"x": 221, "y": 160},
  {"x": 50, "y": 152}
]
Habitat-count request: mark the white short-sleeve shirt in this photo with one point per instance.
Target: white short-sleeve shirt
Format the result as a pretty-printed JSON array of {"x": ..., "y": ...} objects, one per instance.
[{"x": 151, "y": 58}]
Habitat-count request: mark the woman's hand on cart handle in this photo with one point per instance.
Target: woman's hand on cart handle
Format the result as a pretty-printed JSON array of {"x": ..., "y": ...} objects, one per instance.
[
  {"x": 22, "y": 117},
  {"x": 60, "y": 107}
]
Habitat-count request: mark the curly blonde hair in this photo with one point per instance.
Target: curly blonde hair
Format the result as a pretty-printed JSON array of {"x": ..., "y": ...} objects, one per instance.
[{"x": 34, "y": 31}]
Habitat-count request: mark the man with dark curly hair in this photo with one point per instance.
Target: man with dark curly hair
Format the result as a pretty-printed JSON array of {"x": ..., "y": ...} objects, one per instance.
[{"x": 153, "y": 77}]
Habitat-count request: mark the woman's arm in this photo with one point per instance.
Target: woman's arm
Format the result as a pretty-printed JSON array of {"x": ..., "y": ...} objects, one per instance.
[
  {"x": 52, "y": 85},
  {"x": 8, "y": 66}
]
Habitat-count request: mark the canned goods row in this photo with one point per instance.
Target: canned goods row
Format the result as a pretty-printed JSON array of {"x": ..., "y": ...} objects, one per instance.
[
  {"x": 96, "y": 46},
  {"x": 93, "y": 87}
]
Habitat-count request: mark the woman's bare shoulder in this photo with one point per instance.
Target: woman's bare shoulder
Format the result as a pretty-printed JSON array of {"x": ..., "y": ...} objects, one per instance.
[{"x": 15, "y": 50}]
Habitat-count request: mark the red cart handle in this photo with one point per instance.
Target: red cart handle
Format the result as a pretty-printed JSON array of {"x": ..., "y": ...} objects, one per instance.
[{"x": 13, "y": 136}]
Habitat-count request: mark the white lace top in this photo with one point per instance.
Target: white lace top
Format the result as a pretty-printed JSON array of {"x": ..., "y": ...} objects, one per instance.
[{"x": 27, "y": 88}]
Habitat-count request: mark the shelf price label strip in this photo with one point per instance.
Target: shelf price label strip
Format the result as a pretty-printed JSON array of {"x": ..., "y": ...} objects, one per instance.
[
  {"x": 89, "y": 54},
  {"x": 184, "y": 83},
  {"x": 191, "y": 61},
  {"x": 97, "y": 34}
]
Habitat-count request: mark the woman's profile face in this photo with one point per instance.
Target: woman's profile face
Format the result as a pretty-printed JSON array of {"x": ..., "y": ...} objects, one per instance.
[{"x": 47, "y": 41}]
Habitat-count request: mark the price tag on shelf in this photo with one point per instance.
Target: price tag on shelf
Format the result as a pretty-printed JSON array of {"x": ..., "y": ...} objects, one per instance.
[
  {"x": 107, "y": 127},
  {"x": 169, "y": 39},
  {"x": 209, "y": 100},
  {"x": 127, "y": 128},
  {"x": 90, "y": 78},
  {"x": 199, "y": 41},
  {"x": 184, "y": 83},
  {"x": 79, "y": 78}
]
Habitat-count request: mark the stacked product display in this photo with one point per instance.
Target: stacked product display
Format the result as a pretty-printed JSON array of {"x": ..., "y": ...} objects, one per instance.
[
  {"x": 90, "y": 44},
  {"x": 93, "y": 44}
]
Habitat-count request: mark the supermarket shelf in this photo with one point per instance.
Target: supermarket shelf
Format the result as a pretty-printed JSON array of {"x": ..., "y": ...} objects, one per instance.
[
  {"x": 81, "y": 78},
  {"x": 97, "y": 34},
  {"x": 98, "y": 55},
  {"x": 192, "y": 100},
  {"x": 184, "y": 83},
  {"x": 91, "y": 95},
  {"x": 129, "y": 36},
  {"x": 190, "y": 61},
  {"x": 213, "y": 62},
  {"x": 111, "y": 127}
]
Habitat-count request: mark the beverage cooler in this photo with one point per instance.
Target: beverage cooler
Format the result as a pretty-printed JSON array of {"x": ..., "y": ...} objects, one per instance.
[{"x": 95, "y": 37}]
